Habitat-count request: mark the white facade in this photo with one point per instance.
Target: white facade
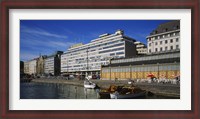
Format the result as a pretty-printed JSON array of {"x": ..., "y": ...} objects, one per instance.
[
  {"x": 141, "y": 47},
  {"x": 30, "y": 67},
  {"x": 49, "y": 65},
  {"x": 91, "y": 56},
  {"x": 167, "y": 40}
]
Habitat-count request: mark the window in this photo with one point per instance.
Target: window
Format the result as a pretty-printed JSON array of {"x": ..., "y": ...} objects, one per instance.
[
  {"x": 156, "y": 43},
  {"x": 176, "y": 39},
  {"x": 160, "y": 42},
  {"x": 119, "y": 53},
  {"x": 165, "y": 48},
  {"x": 156, "y": 49},
  {"x": 150, "y": 50},
  {"x": 171, "y": 47},
  {"x": 160, "y": 49},
  {"x": 166, "y": 42},
  {"x": 149, "y": 44},
  {"x": 171, "y": 41},
  {"x": 177, "y": 47}
]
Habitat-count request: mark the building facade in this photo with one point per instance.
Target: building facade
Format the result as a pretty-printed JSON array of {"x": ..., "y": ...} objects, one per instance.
[
  {"x": 90, "y": 57},
  {"x": 164, "y": 38},
  {"x": 141, "y": 48},
  {"x": 40, "y": 65},
  {"x": 52, "y": 64},
  {"x": 161, "y": 65},
  {"x": 30, "y": 67},
  {"x": 21, "y": 67}
]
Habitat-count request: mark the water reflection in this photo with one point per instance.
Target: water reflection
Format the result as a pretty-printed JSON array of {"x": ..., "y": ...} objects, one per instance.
[
  {"x": 55, "y": 91},
  {"x": 62, "y": 91}
]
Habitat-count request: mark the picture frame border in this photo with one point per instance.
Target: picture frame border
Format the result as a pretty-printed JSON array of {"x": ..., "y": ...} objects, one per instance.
[{"x": 103, "y": 4}]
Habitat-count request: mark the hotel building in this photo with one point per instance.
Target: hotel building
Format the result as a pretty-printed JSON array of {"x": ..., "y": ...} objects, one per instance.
[
  {"x": 165, "y": 37},
  {"x": 88, "y": 58},
  {"x": 52, "y": 64}
]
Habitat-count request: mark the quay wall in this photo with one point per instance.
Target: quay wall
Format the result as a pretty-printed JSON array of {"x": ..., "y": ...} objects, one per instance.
[{"x": 171, "y": 90}]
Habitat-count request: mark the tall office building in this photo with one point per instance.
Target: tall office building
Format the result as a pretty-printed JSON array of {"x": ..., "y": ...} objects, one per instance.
[
  {"x": 166, "y": 37},
  {"x": 89, "y": 57}
]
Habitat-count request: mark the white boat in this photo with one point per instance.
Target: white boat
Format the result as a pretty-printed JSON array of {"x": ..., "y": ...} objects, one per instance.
[{"x": 89, "y": 84}]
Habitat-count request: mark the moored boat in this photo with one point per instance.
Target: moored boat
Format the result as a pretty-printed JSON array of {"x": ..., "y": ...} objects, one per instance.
[
  {"x": 89, "y": 84},
  {"x": 127, "y": 93},
  {"x": 116, "y": 95}
]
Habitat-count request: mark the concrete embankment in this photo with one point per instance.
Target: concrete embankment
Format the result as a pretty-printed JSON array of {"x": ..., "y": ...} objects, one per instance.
[{"x": 171, "y": 90}]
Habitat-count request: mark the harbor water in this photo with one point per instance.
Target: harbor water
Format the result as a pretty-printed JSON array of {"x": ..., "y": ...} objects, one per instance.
[{"x": 35, "y": 90}]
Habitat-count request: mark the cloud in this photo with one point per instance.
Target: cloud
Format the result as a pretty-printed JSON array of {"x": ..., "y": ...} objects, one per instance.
[
  {"x": 38, "y": 31},
  {"x": 24, "y": 56}
]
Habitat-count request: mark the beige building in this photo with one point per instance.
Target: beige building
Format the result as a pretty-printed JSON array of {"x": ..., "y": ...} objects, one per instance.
[
  {"x": 26, "y": 67},
  {"x": 166, "y": 37},
  {"x": 30, "y": 66},
  {"x": 40, "y": 65}
]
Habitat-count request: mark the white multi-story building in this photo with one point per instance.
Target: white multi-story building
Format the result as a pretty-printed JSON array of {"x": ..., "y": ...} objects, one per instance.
[
  {"x": 141, "y": 48},
  {"x": 52, "y": 63},
  {"x": 89, "y": 57},
  {"x": 166, "y": 37},
  {"x": 30, "y": 66}
]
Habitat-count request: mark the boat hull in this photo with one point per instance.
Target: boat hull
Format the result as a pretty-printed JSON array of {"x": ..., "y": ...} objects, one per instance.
[
  {"x": 127, "y": 96},
  {"x": 89, "y": 86}
]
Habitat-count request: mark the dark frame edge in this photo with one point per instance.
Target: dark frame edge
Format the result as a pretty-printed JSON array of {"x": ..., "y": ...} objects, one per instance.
[{"x": 4, "y": 36}]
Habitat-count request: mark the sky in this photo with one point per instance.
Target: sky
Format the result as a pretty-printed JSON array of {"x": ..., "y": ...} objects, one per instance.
[{"x": 47, "y": 36}]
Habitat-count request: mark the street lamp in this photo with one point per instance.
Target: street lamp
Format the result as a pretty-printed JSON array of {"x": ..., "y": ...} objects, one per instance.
[{"x": 158, "y": 71}]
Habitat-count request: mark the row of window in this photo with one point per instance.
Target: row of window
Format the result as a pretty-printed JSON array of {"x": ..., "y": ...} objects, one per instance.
[
  {"x": 164, "y": 36},
  {"x": 120, "y": 44},
  {"x": 165, "y": 49},
  {"x": 94, "y": 46},
  {"x": 116, "y": 49},
  {"x": 166, "y": 41}
]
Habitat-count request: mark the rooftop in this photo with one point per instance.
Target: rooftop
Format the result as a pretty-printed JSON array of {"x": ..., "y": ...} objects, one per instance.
[{"x": 165, "y": 27}]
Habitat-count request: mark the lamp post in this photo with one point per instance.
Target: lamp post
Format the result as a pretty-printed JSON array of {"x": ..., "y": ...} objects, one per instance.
[
  {"x": 158, "y": 71},
  {"x": 87, "y": 62}
]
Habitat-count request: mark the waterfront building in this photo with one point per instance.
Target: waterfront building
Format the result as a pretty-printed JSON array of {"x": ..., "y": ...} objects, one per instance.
[
  {"x": 165, "y": 37},
  {"x": 141, "y": 48},
  {"x": 88, "y": 58},
  {"x": 26, "y": 67},
  {"x": 30, "y": 67},
  {"x": 21, "y": 67},
  {"x": 52, "y": 64},
  {"x": 161, "y": 65},
  {"x": 40, "y": 65}
]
